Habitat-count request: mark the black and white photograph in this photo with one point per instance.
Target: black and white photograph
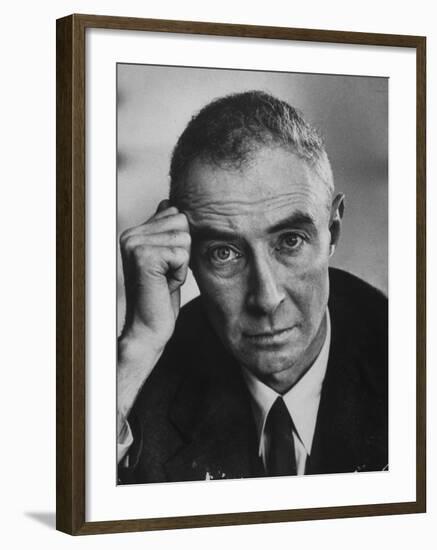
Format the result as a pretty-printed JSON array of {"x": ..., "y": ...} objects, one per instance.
[
  {"x": 218, "y": 257},
  {"x": 252, "y": 274}
]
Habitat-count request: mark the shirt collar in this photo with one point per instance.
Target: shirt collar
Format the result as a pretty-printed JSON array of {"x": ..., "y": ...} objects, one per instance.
[{"x": 302, "y": 400}]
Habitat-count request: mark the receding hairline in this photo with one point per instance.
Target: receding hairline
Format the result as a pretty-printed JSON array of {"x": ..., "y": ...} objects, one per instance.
[
  {"x": 228, "y": 165},
  {"x": 228, "y": 131}
]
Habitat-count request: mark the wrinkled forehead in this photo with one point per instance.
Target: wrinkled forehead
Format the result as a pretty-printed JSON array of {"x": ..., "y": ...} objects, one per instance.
[{"x": 273, "y": 183}]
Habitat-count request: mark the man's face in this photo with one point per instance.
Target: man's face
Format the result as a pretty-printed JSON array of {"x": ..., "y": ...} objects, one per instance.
[{"x": 261, "y": 245}]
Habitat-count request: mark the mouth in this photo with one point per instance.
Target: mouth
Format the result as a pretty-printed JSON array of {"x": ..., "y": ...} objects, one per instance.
[{"x": 269, "y": 338}]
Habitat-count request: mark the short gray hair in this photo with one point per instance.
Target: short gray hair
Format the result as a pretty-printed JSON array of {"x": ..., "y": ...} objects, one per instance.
[{"x": 229, "y": 130}]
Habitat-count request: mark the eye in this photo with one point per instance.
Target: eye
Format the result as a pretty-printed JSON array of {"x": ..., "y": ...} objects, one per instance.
[
  {"x": 290, "y": 242},
  {"x": 223, "y": 254}
]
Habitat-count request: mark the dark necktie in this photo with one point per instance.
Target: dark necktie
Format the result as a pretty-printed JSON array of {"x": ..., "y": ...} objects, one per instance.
[{"x": 281, "y": 458}]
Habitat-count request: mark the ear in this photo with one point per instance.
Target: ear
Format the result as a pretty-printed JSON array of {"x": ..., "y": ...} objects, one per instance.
[{"x": 336, "y": 215}]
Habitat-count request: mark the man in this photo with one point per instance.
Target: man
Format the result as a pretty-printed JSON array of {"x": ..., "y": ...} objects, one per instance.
[{"x": 280, "y": 366}]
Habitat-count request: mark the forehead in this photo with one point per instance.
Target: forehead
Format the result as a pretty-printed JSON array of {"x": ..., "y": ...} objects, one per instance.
[{"x": 273, "y": 184}]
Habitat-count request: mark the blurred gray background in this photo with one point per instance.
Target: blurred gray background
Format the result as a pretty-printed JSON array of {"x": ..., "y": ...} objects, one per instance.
[{"x": 155, "y": 103}]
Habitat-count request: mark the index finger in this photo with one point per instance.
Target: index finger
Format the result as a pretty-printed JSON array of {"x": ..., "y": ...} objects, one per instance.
[{"x": 164, "y": 210}]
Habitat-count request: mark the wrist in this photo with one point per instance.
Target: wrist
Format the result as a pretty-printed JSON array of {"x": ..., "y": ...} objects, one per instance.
[
  {"x": 138, "y": 353},
  {"x": 138, "y": 341}
]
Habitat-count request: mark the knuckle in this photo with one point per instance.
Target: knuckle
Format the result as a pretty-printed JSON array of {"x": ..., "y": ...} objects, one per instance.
[
  {"x": 128, "y": 244},
  {"x": 137, "y": 251},
  {"x": 125, "y": 246},
  {"x": 182, "y": 220},
  {"x": 141, "y": 254},
  {"x": 124, "y": 236},
  {"x": 186, "y": 239},
  {"x": 183, "y": 255}
]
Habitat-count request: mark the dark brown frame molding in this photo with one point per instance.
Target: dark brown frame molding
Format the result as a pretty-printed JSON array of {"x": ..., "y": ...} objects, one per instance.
[{"x": 70, "y": 298}]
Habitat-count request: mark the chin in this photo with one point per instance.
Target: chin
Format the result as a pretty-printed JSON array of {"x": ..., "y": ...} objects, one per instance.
[{"x": 265, "y": 363}]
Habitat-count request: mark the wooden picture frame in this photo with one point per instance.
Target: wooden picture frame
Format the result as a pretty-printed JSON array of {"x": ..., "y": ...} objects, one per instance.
[{"x": 71, "y": 274}]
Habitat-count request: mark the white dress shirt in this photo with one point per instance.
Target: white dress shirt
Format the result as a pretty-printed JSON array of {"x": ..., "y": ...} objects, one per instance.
[{"x": 302, "y": 402}]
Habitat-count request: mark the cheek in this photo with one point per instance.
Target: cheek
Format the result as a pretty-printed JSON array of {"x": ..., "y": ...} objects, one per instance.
[
  {"x": 308, "y": 288},
  {"x": 313, "y": 270},
  {"x": 223, "y": 298},
  {"x": 317, "y": 300}
]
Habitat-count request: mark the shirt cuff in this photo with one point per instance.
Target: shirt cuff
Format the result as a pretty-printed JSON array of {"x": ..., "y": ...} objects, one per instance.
[{"x": 124, "y": 441}]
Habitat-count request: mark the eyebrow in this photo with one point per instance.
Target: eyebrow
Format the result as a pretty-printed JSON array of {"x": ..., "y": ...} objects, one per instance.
[{"x": 297, "y": 219}]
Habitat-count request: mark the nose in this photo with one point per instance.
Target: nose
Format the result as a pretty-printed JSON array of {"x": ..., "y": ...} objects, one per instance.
[{"x": 265, "y": 293}]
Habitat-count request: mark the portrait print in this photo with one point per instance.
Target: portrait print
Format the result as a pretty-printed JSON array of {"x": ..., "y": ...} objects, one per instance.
[{"x": 252, "y": 282}]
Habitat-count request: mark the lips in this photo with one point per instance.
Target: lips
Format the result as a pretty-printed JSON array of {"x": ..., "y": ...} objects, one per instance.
[
  {"x": 268, "y": 338},
  {"x": 268, "y": 332}
]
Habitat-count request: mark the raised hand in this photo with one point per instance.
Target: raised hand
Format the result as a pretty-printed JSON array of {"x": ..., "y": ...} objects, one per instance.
[{"x": 155, "y": 259}]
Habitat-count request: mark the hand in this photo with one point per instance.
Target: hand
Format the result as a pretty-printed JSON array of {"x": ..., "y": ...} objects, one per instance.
[{"x": 155, "y": 258}]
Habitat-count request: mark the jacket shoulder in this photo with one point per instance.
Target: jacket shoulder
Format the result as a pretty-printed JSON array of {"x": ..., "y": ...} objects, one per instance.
[
  {"x": 357, "y": 302},
  {"x": 359, "y": 319},
  {"x": 345, "y": 284}
]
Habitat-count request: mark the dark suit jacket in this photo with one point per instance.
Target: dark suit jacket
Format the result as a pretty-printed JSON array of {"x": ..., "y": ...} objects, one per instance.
[{"x": 193, "y": 418}]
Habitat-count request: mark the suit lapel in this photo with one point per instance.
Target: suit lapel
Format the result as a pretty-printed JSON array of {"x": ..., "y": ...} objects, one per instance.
[
  {"x": 338, "y": 426},
  {"x": 212, "y": 412},
  {"x": 342, "y": 439}
]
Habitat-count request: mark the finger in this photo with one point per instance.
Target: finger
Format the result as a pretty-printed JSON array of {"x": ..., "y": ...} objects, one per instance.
[
  {"x": 169, "y": 262},
  {"x": 170, "y": 238},
  {"x": 170, "y": 211},
  {"x": 175, "y": 222},
  {"x": 179, "y": 270},
  {"x": 165, "y": 209}
]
